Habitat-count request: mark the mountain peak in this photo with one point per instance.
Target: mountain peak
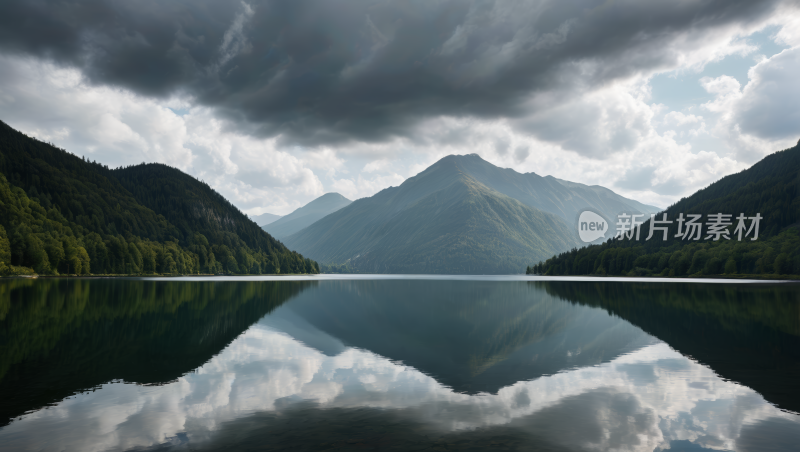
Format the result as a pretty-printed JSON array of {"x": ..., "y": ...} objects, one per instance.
[
  {"x": 331, "y": 194},
  {"x": 327, "y": 198}
]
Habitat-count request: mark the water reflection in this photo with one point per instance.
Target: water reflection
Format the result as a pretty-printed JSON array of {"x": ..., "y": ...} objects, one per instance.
[
  {"x": 473, "y": 337},
  {"x": 404, "y": 365},
  {"x": 749, "y": 334},
  {"x": 59, "y": 337}
]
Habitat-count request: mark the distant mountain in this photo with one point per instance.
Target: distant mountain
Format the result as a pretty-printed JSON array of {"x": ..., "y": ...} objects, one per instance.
[
  {"x": 770, "y": 188},
  {"x": 306, "y": 215},
  {"x": 443, "y": 220},
  {"x": 62, "y": 214},
  {"x": 265, "y": 219}
]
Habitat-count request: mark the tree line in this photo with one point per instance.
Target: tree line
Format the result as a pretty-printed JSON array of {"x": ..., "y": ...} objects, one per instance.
[{"x": 778, "y": 255}]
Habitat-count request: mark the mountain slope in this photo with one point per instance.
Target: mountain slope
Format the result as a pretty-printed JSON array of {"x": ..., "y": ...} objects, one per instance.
[
  {"x": 265, "y": 219},
  {"x": 79, "y": 217},
  {"x": 770, "y": 188},
  {"x": 82, "y": 191},
  {"x": 559, "y": 197},
  {"x": 440, "y": 221},
  {"x": 306, "y": 215},
  {"x": 605, "y": 197},
  {"x": 192, "y": 205}
]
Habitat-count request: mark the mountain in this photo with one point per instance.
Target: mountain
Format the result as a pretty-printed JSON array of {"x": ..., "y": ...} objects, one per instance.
[
  {"x": 770, "y": 188},
  {"x": 442, "y": 220},
  {"x": 265, "y": 218},
  {"x": 460, "y": 215},
  {"x": 62, "y": 214},
  {"x": 306, "y": 215}
]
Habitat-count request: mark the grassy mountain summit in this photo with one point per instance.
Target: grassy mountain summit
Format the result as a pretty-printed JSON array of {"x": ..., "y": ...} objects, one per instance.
[
  {"x": 770, "y": 188},
  {"x": 559, "y": 197},
  {"x": 442, "y": 220},
  {"x": 305, "y": 216},
  {"x": 62, "y": 214}
]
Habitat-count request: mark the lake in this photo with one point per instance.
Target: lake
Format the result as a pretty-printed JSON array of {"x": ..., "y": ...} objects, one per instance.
[{"x": 358, "y": 362}]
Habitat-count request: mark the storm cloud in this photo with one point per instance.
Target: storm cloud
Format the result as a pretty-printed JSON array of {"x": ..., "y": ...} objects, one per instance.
[
  {"x": 317, "y": 72},
  {"x": 274, "y": 103}
]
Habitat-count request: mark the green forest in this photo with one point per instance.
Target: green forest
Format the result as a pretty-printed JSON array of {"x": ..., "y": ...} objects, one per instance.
[
  {"x": 770, "y": 188},
  {"x": 63, "y": 215}
]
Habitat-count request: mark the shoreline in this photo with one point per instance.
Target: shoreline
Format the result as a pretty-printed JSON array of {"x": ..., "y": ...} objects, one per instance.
[{"x": 743, "y": 279}]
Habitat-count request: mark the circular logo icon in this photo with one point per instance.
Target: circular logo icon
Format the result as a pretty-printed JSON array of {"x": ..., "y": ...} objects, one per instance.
[{"x": 591, "y": 226}]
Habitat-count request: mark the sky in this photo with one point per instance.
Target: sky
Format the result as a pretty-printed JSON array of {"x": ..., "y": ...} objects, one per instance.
[{"x": 275, "y": 103}]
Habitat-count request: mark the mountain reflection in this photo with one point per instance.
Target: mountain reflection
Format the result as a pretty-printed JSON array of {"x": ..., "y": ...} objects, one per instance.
[
  {"x": 746, "y": 333},
  {"x": 471, "y": 336},
  {"x": 59, "y": 337},
  {"x": 396, "y": 365}
]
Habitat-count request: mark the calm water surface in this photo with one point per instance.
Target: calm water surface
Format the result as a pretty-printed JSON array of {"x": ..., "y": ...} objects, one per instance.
[{"x": 403, "y": 363}]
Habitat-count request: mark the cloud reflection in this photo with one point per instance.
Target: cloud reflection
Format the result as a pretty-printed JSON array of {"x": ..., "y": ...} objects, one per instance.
[{"x": 643, "y": 400}]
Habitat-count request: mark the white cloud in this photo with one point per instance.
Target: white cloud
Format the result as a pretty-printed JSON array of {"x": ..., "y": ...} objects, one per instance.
[
  {"x": 762, "y": 117},
  {"x": 360, "y": 186},
  {"x": 728, "y": 92},
  {"x": 677, "y": 118},
  {"x": 769, "y": 107},
  {"x": 789, "y": 33},
  {"x": 110, "y": 125}
]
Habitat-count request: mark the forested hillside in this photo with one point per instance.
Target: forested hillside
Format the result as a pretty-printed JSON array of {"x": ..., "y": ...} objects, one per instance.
[
  {"x": 770, "y": 188},
  {"x": 61, "y": 214},
  {"x": 195, "y": 208}
]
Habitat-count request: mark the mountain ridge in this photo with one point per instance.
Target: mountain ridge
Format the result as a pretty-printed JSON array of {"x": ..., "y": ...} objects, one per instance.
[{"x": 306, "y": 215}]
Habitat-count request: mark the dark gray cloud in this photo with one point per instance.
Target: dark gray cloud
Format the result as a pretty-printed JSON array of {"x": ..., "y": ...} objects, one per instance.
[{"x": 332, "y": 71}]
